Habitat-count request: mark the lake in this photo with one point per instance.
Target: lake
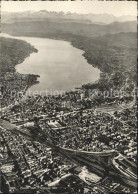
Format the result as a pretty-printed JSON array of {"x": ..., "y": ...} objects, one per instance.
[{"x": 60, "y": 65}]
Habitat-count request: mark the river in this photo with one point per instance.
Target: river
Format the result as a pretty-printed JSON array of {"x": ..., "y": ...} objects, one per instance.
[{"x": 60, "y": 65}]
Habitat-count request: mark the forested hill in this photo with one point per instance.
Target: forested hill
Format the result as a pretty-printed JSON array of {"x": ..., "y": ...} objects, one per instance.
[
  {"x": 111, "y": 52},
  {"x": 47, "y": 27},
  {"x": 13, "y": 52}
]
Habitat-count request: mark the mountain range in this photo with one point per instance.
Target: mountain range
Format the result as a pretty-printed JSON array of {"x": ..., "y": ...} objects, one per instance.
[{"x": 102, "y": 19}]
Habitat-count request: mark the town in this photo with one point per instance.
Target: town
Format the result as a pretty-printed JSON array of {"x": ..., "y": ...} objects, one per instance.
[{"x": 71, "y": 121}]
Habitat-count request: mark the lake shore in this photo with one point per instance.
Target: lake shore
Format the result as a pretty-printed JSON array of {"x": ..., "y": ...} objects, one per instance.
[
  {"x": 14, "y": 52},
  {"x": 68, "y": 60},
  {"x": 96, "y": 57}
]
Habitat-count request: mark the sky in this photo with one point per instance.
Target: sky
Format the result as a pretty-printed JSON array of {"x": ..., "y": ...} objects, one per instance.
[{"x": 117, "y": 8}]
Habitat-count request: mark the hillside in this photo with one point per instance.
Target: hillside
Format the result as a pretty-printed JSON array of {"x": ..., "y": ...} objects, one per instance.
[
  {"x": 13, "y": 52},
  {"x": 47, "y": 27},
  {"x": 110, "y": 52}
]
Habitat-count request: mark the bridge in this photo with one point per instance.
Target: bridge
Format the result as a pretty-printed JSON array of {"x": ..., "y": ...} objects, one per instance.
[{"x": 104, "y": 157}]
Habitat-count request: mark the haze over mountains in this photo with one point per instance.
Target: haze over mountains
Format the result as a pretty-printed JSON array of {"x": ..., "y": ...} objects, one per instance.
[
  {"x": 30, "y": 28},
  {"x": 89, "y": 25},
  {"x": 9, "y": 17}
]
